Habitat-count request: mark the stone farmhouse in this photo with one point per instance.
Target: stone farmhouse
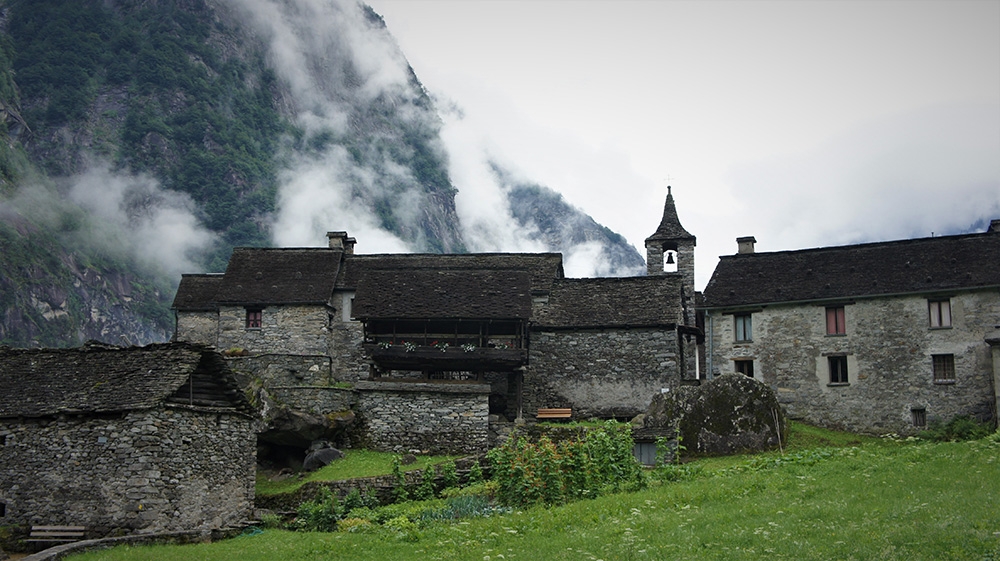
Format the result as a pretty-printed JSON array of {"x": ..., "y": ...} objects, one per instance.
[
  {"x": 143, "y": 439},
  {"x": 433, "y": 352},
  {"x": 877, "y": 337},
  {"x": 440, "y": 351}
]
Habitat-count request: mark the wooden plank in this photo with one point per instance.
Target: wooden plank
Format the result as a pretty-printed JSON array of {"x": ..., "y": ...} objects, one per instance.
[{"x": 555, "y": 413}]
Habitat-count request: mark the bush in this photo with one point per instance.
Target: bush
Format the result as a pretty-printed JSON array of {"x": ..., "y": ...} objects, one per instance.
[
  {"x": 958, "y": 429},
  {"x": 355, "y": 525},
  {"x": 475, "y": 473},
  {"x": 319, "y": 515},
  {"x": 527, "y": 473},
  {"x": 404, "y": 528}
]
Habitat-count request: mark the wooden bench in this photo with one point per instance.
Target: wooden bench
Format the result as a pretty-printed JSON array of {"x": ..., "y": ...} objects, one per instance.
[
  {"x": 554, "y": 413},
  {"x": 56, "y": 534}
]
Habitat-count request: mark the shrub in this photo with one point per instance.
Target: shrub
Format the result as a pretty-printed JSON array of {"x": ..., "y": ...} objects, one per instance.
[
  {"x": 475, "y": 473},
  {"x": 404, "y": 528},
  {"x": 271, "y": 520},
  {"x": 958, "y": 429},
  {"x": 318, "y": 515},
  {"x": 355, "y": 525},
  {"x": 527, "y": 473},
  {"x": 358, "y": 499},
  {"x": 425, "y": 490},
  {"x": 449, "y": 474},
  {"x": 399, "y": 492}
]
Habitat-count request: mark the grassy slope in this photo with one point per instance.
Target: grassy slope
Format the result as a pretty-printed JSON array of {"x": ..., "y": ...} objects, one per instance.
[
  {"x": 355, "y": 463},
  {"x": 877, "y": 500}
]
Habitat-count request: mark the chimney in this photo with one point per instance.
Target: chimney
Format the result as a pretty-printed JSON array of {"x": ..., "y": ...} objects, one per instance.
[
  {"x": 745, "y": 245},
  {"x": 337, "y": 240},
  {"x": 349, "y": 245},
  {"x": 994, "y": 226}
]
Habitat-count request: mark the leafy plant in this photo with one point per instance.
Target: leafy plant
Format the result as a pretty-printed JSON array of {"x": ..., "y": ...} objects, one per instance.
[
  {"x": 318, "y": 515},
  {"x": 399, "y": 492},
  {"x": 426, "y": 488},
  {"x": 527, "y": 472},
  {"x": 957, "y": 429},
  {"x": 449, "y": 475}
]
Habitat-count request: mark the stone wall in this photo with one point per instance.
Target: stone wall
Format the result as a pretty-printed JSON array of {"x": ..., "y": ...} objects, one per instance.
[
  {"x": 163, "y": 469},
  {"x": 888, "y": 346},
  {"x": 600, "y": 373},
  {"x": 439, "y": 418},
  {"x": 284, "y": 329},
  {"x": 197, "y": 327}
]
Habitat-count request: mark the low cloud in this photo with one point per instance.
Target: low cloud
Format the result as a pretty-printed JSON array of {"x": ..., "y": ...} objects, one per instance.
[
  {"x": 156, "y": 227},
  {"x": 936, "y": 170}
]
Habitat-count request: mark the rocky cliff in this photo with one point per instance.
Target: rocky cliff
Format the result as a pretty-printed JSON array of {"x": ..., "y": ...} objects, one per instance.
[{"x": 142, "y": 139}]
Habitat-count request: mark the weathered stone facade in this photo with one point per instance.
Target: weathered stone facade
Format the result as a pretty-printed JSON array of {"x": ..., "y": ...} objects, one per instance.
[
  {"x": 877, "y": 338},
  {"x": 438, "y": 418},
  {"x": 164, "y": 469},
  {"x": 288, "y": 329},
  {"x": 605, "y": 373},
  {"x": 455, "y": 328},
  {"x": 199, "y": 326},
  {"x": 888, "y": 347}
]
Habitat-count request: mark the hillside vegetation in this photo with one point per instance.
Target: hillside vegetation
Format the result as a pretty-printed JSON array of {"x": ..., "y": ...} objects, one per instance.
[
  {"x": 874, "y": 500},
  {"x": 140, "y": 140}
]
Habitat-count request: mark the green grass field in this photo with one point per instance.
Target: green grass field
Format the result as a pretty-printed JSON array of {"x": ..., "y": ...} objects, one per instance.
[
  {"x": 355, "y": 463},
  {"x": 831, "y": 496}
]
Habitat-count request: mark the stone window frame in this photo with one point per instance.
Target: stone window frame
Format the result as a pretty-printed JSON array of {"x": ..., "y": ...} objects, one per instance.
[
  {"x": 836, "y": 321},
  {"x": 918, "y": 416},
  {"x": 743, "y": 327},
  {"x": 939, "y": 313},
  {"x": 255, "y": 318},
  {"x": 943, "y": 366},
  {"x": 744, "y": 362},
  {"x": 839, "y": 375}
]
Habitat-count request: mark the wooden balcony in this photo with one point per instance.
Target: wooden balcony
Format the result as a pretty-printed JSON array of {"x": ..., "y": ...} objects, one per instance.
[{"x": 479, "y": 359}]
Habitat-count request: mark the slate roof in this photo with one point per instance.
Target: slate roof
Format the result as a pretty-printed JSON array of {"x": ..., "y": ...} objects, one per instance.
[
  {"x": 279, "y": 276},
  {"x": 670, "y": 226},
  {"x": 542, "y": 268},
  {"x": 922, "y": 265},
  {"x": 612, "y": 302},
  {"x": 443, "y": 293},
  {"x": 196, "y": 292},
  {"x": 106, "y": 379}
]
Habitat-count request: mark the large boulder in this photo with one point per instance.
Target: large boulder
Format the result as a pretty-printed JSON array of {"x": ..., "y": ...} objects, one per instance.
[
  {"x": 319, "y": 455},
  {"x": 730, "y": 413}
]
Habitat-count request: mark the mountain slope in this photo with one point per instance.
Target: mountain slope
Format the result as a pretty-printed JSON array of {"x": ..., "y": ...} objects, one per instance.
[{"x": 145, "y": 138}]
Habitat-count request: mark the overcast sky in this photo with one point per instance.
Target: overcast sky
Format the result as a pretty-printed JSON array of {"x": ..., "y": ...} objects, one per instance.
[{"x": 801, "y": 123}]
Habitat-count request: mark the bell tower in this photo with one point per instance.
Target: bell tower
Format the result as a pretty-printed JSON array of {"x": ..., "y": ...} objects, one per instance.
[{"x": 670, "y": 250}]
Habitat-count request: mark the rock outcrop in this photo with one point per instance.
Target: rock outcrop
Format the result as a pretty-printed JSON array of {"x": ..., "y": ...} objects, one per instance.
[{"x": 731, "y": 413}]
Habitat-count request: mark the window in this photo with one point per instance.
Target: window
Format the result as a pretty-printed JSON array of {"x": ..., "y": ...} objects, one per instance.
[
  {"x": 3, "y": 509},
  {"x": 254, "y": 317},
  {"x": 919, "y": 416},
  {"x": 838, "y": 369},
  {"x": 744, "y": 366},
  {"x": 944, "y": 368},
  {"x": 940, "y": 313},
  {"x": 744, "y": 327},
  {"x": 835, "y": 321}
]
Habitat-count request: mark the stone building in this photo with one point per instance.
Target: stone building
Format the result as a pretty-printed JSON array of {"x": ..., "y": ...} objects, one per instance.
[
  {"x": 437, "y": 349},
  {"x": 154, "y": 438},
  {"x": 877, "y": 337}
]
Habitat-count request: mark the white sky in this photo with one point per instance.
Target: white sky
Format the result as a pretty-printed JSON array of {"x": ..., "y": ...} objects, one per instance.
[{"x": 801, "y": 123}]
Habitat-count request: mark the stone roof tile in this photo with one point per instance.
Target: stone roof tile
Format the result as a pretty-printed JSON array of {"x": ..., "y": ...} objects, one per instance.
[
  {"x": 280, "y": 276},
  {"x": 105, "y": 379},
  {"x": 612, "y": 302},
  {"x": 197, "y": 292},
  {"x": 920, "y": 265},
  {"x": 443, "y": 293}
]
